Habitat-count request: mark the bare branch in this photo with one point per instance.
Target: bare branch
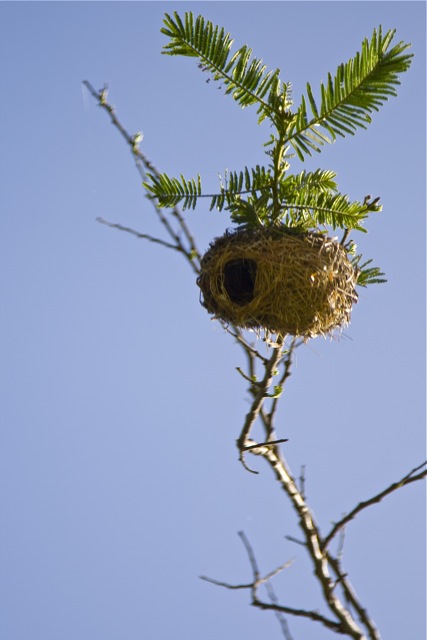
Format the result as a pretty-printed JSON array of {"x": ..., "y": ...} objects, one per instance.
[
  {"x": 275, "y": 572},
  {"x": 279, "y": 614},
  {"x": 273, "y": 606},
  {"x": 351, "y": 598},
  {"x": 296, "y": 541},
  {"x": 143, "y": 163},
  {"x": 313, "y": 542},
  {"x": 259, "y": 398},
  {"x": 302, "y": 613},
  {"x": 312, "y": 615},
  {"x": 251, "y": 555},
  {"x": 341, "y": 541},
  {"x": 250, "y": 379},
  {"x": 249, "y": 349},
  {"x": 282, "y": 380},
  {"x": 137, "y": 234},
  {"x": 412, "y": 476},
  {"x": 219, "y": 583}
]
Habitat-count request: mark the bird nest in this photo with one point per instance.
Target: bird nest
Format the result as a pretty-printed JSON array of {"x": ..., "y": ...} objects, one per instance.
[{"x": 280, "y": 280}]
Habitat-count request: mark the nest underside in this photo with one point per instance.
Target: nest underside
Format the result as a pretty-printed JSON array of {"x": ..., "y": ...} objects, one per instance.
[{"x": 282, "y": 281}]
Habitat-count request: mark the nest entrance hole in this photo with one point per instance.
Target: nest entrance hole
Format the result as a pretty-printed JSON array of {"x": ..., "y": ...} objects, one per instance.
[{"x": 239, "y": 280}]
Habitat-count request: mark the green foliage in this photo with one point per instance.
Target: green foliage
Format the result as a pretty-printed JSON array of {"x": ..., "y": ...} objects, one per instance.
[
  {"x": 367, "y": 275},
  {"x": 306, "y": 200},
  {"x": 245, "y": 79},
  {"x": 311, "y": 199},
  {"x": 270, "y": 195},
  {"x": 359, "y": 87},
  {"x": 171, "y": 191},
  {"x": 236, "y": 184}
]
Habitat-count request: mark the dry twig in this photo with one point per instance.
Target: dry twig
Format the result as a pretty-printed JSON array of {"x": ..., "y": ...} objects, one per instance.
[
  {"x": 143, "y": 164},
  {"x": 410, "y": 477}
]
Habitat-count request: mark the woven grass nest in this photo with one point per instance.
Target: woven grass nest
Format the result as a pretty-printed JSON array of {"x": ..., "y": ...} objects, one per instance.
[{"x": 278, "y": 279}]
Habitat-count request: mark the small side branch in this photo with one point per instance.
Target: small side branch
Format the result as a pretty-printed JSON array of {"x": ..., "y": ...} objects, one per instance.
[
  {"x": 260, "y": 391},
  {"x": 259, "y": 396},
  {"x": 314, "y": 544},
  {"x": 272, "y": 606},
  {"x": 143, "y": 164},
  {"x": 268, "y": 419},
  {"x": 412, "y": 476},
  {"x": 137, "y": 234}
]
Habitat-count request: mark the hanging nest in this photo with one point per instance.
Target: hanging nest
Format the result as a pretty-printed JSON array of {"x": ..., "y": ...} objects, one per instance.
[{"x": 278, "y": 279}]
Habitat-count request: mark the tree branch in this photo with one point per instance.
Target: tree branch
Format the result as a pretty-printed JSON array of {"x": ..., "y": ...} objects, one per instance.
[
  {"x": 137, "y": 234},
  {"x": 263, "y": 386},
  {"x": 258, "y": 581},
  {"x": 313, "y": 542},
  {"x": 407, "y": 479},
  {"x": 143, "y": 163}
]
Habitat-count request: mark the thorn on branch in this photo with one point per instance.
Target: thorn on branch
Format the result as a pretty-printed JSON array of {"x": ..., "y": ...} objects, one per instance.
[
  {"x": 252, "y": 381},
  {"x": 245, "y": 464},
  {"x": 269, "y": 443},
  {"x": 296, "y": 541},
  {"x": 302, "y": 481},
  {"x": 340, "y": 579}
]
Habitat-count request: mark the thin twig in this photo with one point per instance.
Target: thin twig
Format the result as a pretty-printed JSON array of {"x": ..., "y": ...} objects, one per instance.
[
  {"x": 341, "y": 541},
  {"x": 303, "y": 613},
  {"x": 251, "y": 555},
  {"x": 220, "y": 583},
  {"x": 279, "y": 614},
  {"x": 302, "y": 481},
  {"x": 273, "y": 606},
  {"x": 143, "y": 164},
  {"x": 248, "y": 378},
  {"x": 296, "y": 541},
  {"x": 249, "y": 349},
  {"x": 268, "y": 418},
  {"x": 407, "y": 479},
  {"x": 312, "y": 615},
  {"x": 137, "y": 234}
]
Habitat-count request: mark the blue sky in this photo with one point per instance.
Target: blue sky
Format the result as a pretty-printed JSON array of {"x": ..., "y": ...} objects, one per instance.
[{"x": 120, "y": 483}]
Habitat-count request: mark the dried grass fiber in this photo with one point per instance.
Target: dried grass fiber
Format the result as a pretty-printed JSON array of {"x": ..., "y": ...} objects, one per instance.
[{"x": 277, "y": 279}]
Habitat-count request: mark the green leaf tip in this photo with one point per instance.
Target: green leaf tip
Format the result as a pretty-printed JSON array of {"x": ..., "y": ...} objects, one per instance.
[
  {"x": 347, "y": 100},
  {"x": 244, "y": 77}
]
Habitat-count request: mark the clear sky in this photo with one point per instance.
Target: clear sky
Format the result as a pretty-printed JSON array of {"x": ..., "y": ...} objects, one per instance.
[{"x": 120, "y": 483}]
